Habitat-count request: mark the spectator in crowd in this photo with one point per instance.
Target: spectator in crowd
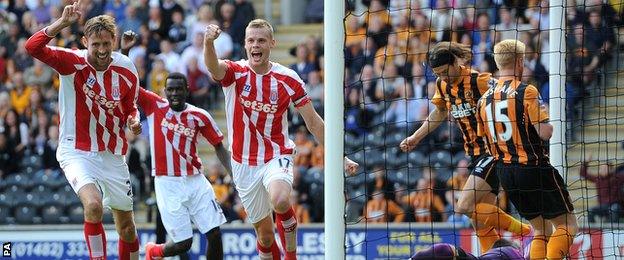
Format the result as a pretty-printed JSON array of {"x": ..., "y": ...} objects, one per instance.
[
  {"x": 204, "y": 17},
  {"x": 301, "y": 211},
  {"x": 157, "y": 77},
  {"x": 50, "y": 164},
  {"x": 5, "y": 106},
  {"x": 21, "y": 59},
  {"x": 131, "y": 22},
  {"x": 42, "y": 12},
  {"x": 8, "y": 160},
  {"x": 356, "y": 114},
  {"x": 382, "y": 210},
  {"x": 169, "y": 56},
  {"x": 155, "y": 24},
  {"x": 302, "y": 66},
  {"x": 427, "y": 205},
  {"x": 39, "y": 75},
  {"x": 243, "y": 14},
  {"x": 199, "y": 84},
  {"x": 177, "y": 32},
  {"x": 305, "y": 146},
  {"x": 609, "y": 186},
  {"x": 20, "y": 93},
  {"x": 167, "y": 8},
  {"x": 314, "y": 87},
  {"x": 16, "y": 133},
  {"x": 117, "y": 9}
]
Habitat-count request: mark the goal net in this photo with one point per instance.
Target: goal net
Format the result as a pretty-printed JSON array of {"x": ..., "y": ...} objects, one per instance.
[{"x": 401, "y": 202}]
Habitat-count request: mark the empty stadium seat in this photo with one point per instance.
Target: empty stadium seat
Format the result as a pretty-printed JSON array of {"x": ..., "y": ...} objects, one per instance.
[
  {"x": 18, "y": 179},
  {"x": 75, "y": 213},
  {"x": 51, "y": 214},
  {"x": 5, "y": 213},
  {"x": 13, "y": 195},
  {"x": 25, "y": 214},
  {"x": 416, "y": 158}
]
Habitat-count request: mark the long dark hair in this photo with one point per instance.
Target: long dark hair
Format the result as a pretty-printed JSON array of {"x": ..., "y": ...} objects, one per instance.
[{"x": 444, "y": 53}]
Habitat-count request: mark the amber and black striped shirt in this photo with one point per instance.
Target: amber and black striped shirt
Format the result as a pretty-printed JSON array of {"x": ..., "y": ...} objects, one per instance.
[
  {"x": 460, "y": 100},
  {"x": 507, "y": 115}
]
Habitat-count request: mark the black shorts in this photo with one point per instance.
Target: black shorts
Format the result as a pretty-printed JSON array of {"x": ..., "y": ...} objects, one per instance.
[
  {"x": 483, "y": 167},
  {"x": 535, "y": 190}
]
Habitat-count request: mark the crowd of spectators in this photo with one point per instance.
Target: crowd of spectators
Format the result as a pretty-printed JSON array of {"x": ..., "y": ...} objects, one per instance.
[{"x": 387, "y": 88}]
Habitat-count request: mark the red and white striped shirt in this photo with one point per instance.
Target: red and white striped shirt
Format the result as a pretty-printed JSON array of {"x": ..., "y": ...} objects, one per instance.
[
  {"x": 256, "y": 108},
  {"x": 94, "y": 105},
  {"x": 173, "y": 135}
]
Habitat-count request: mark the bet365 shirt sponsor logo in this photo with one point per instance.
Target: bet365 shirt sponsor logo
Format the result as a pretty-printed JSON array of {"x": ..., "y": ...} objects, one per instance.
[
  {"x": 110, "y": 105},
  {"x": 178, "y": 128},
  {"x": 259, "y": 106}
]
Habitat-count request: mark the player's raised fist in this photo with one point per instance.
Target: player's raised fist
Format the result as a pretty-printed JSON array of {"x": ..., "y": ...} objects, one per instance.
[
  {"x": 71, "y": 13},
  {"x": 128, "y": 40},
  {"x": 211, "y": 33}
]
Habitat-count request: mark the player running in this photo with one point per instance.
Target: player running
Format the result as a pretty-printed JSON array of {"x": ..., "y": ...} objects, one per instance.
[
  {"x": 182, "y": 191},
  {"x": 517, "y": 131},
  {"x": 458, "y": 88},
  {"x": 258, "y": 93},
  {"x": 97, "y": 99}
]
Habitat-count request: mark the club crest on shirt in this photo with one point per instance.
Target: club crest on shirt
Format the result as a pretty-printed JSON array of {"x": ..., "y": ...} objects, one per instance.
[
  {"x": 469, "y": 94},
  {"x": 115, "y": 92},
  {"x": 91, "y": 81},
  {"x": 273, "y": 97},
  {"x": 169, "y": 114},
  {"x": 247, "y": 88}
]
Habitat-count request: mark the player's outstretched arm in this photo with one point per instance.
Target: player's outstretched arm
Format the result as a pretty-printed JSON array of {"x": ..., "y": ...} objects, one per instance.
[
  {"x": 216, "y": 67},
  {"x": 430, "y": 124},
  {"x": 224, "y": 157}
]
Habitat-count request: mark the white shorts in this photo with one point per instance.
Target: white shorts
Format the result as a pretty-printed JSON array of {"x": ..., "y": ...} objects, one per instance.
[
  {"x": 181, "y": 199},
  {"x": 109, "y": 173},
  {"x": 252, "y": 184}
]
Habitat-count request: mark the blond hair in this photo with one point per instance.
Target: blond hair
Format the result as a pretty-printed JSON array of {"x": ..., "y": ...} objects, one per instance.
[
  {"x": 507, "y": 52},
  {"x": 261, "y": 23},
  {"x": 100, "y": 23}
]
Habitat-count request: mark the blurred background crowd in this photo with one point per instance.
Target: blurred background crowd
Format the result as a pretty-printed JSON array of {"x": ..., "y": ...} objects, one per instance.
[{"x": 387, "y": 90}]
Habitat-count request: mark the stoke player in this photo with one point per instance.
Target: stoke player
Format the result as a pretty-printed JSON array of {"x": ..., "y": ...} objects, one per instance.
[
  {"x": 458, "y": 88},
  {"x": 502, "y": 249},
  {"x": 258, "y": 93},
  {"x": 182, "y": 191},
  {"x": 97, "y": 99}
]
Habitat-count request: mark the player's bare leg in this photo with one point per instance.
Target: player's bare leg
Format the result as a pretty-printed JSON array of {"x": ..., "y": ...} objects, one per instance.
[
  {"x": 128, "y": 242},
  {"x": 284, "y": 217},
  {"x": 267, "y": 248},
  {"x": 479, "y": 203},
  {"x": 563, "y": 236},
  {"x": 95, "y": 236}
]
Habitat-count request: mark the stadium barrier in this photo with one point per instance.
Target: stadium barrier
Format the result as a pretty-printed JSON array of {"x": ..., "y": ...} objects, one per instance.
[{"x": 371, "y": 241}]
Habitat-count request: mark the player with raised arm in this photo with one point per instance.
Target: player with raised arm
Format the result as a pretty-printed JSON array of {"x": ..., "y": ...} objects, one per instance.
[
  {"x": 517, "y": 131},
  {"x": 258, "y": 93},
  {"x": 97, "y": 99},
  {"x": 458, "y": 88}
]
